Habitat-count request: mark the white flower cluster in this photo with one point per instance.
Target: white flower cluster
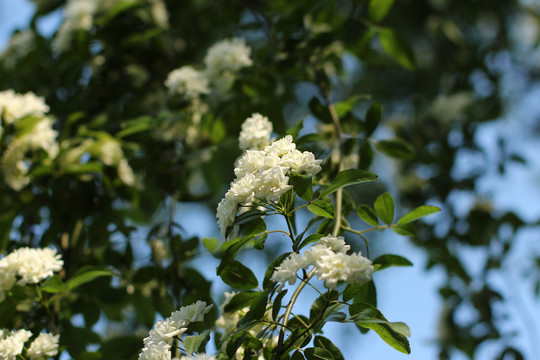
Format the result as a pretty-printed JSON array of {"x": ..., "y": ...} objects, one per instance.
[
  {"x": 45, "y": 345},
  {"x": 158, "y": 344},
  {"x": 27, "y": 266},
  {"x": 255, "y": 133},
  {"x": 12, "y": 344},
  {"x": 222, "y": 61},
  {"x": 227, "y": 55},
  {"x": 187, "y": 81},
  {"x": 14, "y": 106},
  {"x": 331, "y": 261},
  {"x": 261, "y": 175},
  {"x": 29, "y": 136}
]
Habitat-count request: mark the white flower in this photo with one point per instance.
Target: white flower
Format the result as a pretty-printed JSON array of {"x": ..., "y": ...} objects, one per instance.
[
  {"x": 251, "y": 161},
  {"x": 188, "y": 82},
  {"x": 125, "y": 172},
  {"x": 286, "y": 271},
  {"x": 361, "y": 268},
  {"x": 13, "y": 344},
  {"x": 168, "y": 329},
  {"x": 14, "y": 106},
  {"x": 342, "y": 267},
  {"x": 336, "y": 244},
  {"x": 45, "y": 345},
  {"x": 191, "y": 313},
  {"x": 158, "y": 343},
  {"x": 243, "y": 189},
  {"x": 302, "y": 162},
  {"x": 42, "y": 136},
  {"x": 32, "y": 265},
  {"x": 231, "y": 55},
  {"x": 273, "y": 183},
  {"x": 312, "y": 256},
  {"x": 281, "y": 146},
  {"x": 226, "y": 212},
  {"x": 263, "y": 175},
  {"x": 161, "y": 351},
  {"x": 255, "y": 133}
]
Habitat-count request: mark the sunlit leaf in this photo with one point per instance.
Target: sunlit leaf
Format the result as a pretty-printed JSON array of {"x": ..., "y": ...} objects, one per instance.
[
  {"x": 378, "y": 9},
  {"x": 417, "y": 213},
  {"x": 396, "y": 148},
  {"x": 397, "y": 47},
  {"x": 348, "y": 177},
  {"x": 87, "y": 274},
  {"x": 388, "y": 260},
  {"x": 384, "y": 206},
  {"x": 322, "y": 208},
  {"x": 367, "y": 214}
]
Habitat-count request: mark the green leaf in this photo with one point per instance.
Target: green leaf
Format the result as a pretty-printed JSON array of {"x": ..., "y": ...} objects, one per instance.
[
  {"x": 89, "y": 167},
  {"x": 378, "y": 9},
  {"x": 297, "y": 355},
  {"x": 257, "y": 309},
  {"x": 210, "y": 244},
  {"x": 276, "y": 307},
  {"x": 388, "y": 260},
  {"x": 302, "y": 185},
  {"x": 384, "y": 206},
  {"x": 317, "y": 353},
  {"x": 366, "y": 155},
  {"x": 253, "y": 227},
  {"x": 310, "y": 239},
  {"x": 322, "y": 208},
  {"x": 239, "y": 276},
  {"x": 87, "y": 274},
  {"x": 365, "y": 293},
  {"x": 192, "y": 343},
  {"x": 417, "y": 213},
  {"x": 373, "y": 117},
  {"x": 295, "y": 130},
  {"x": 322, "y": 342},
  {"x": 369, "y": 317},
  {"x": 320, "y": 306},
  {"x": 397, "y": 48},
  {"x": 135, "y": 126},
  {"x": 396, "y": 148},
  {"x": 348, "y": 177},
  {"x": 240, "y": 301},
  {"x": 319, "y": 110},
  {"x": 404, "y": 229},
  {"x": 400, "y": 328},
  {"x": 231, "y": 252},
  {"x": 367, "y": 214},
  {"x": 346, "y": 106},
  {"x": 53, "y": 285}
]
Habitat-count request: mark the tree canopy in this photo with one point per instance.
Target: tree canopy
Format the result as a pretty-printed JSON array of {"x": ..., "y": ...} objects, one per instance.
[{"x": 274, "y": 115}]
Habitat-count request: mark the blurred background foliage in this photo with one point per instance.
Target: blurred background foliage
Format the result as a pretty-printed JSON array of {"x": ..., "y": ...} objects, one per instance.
[{"x": 439, "y": 68}]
